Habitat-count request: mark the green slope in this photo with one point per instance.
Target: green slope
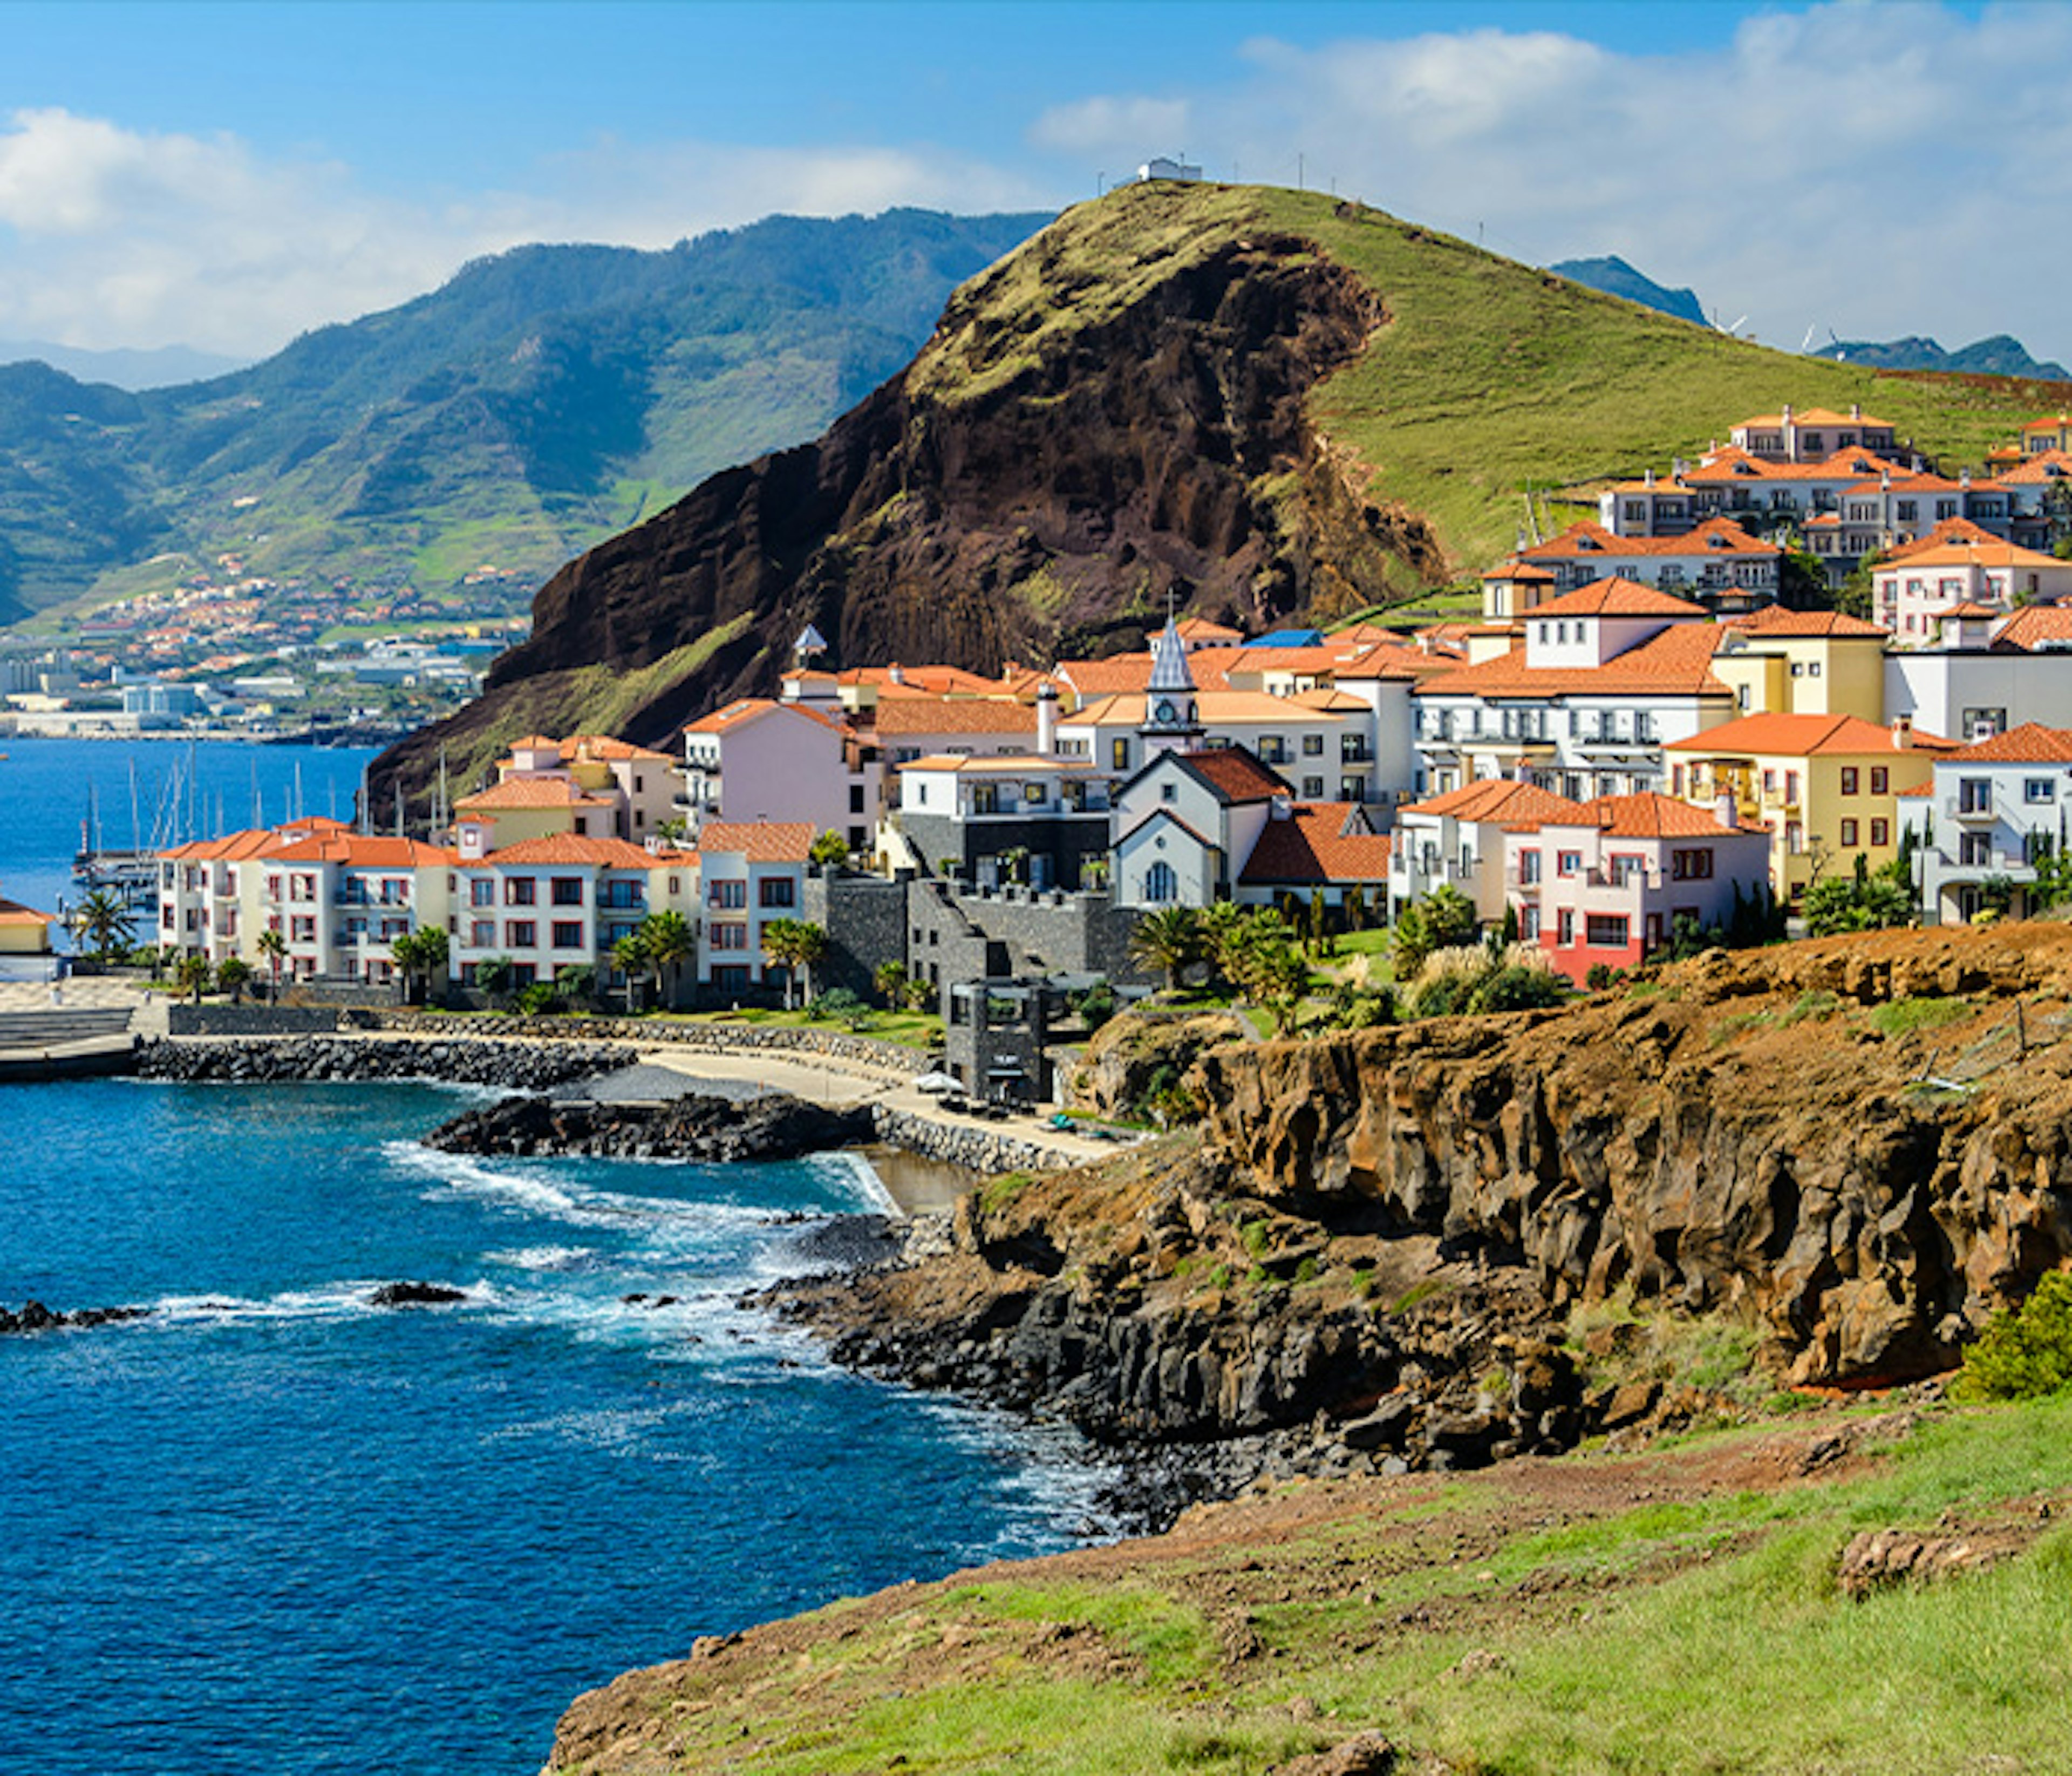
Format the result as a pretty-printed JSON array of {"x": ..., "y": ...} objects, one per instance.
[{"x": 539, "y": 401}]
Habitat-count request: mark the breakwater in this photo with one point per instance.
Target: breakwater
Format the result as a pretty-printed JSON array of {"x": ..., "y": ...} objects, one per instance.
[{"x": 517, "y": 1066}]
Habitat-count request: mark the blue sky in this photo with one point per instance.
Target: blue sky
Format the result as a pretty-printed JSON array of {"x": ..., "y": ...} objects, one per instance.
[{"x": 226, "y": 175}]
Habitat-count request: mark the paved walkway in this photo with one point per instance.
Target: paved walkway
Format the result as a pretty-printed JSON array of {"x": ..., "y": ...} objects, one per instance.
[{"x": 85, "y": 991}]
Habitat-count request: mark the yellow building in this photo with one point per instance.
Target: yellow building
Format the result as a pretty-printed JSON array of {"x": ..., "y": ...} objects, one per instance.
[
  {"x": 1783, "y": 662},
  {"x": 1823, "y": 784},
  {"x": 23, "y": 931}
]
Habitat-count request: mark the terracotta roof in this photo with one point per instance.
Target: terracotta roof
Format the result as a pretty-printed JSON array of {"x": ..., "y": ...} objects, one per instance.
[
  {"x": 1949, "y": 530},
  {"x": 2035, "y": 626},
  {"x": 1649, "y": 815},
  {"x": 252, "y": 842},
  {"x": 576, "y": 848},
  {"x": 1395, "y": 659},
  {"x": 960, "y": 715},
  {"x": 363, "y": 851},
  {"x": 2039, "y": 469},
  {"x": 928, "y": 680},
  {"x": 2050, "y": 422},
  {"x": 1775, "y": 620},
  {"x": 1513, "y": 568},
  {"x": 1816, "y": 416},
  {"x": 1616, "y": 597},
  {"x": 1497, "y": 800},
  {"x": 1318, "y": 842},
  {"x": 1676, "y": 663},
  {"x": 1972, "y": 608},
  {"x": 604, "y": 747},
  {"x": 1714, "y": 537},
  {"x": 1992, "y": 553},
  {"x": 533, "y": 742},
  {"x": 1200, "y": 630},
  {"x": 1805, "y": 737},
  {"x": 1234, "y": 774},
  {"x": 760, "y": 841},
  {"x": 14, "y": 913},
  {"x": 514, "y": 793},
  {"x": 744, "y": 710},
  {"x": 2030, "y": 744}
]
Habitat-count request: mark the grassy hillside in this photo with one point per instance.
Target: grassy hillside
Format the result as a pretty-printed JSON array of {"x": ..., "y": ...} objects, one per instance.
[{"x": 1672, "y": 1614}]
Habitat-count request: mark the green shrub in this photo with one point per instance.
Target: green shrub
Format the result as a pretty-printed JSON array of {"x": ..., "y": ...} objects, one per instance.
[
  {"x": 837, "y": 1002},
  {"x": 1516, "y": 989},
  {"x": 539, "y": 1000},
  {"x": 2025, "y": 1353}
]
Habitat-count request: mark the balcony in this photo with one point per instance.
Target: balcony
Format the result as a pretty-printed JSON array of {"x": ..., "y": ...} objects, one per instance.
[
  {"x": 1975, "y": 809},
  {"x": 1355, "y": 752}
]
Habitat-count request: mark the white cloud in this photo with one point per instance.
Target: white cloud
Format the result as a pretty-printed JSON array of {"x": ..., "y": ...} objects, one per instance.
[
  {"x": 1133, "y": 127},
  {"x": 111, "y": 236},
  {"x": 1880, "y": 169}
]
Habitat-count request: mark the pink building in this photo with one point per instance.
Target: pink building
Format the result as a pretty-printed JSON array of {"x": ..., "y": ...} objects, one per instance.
[{"x": 1607, "y": 884}]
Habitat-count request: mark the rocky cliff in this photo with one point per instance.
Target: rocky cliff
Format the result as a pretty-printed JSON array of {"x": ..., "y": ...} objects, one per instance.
[{"x": 1852, "y": 1152}]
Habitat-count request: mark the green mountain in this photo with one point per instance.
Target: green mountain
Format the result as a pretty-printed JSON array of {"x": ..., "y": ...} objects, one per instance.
[
  {"x": 1615, "y": 277},
  {"x": 2000, "y": 355},
  {"x": 1267, "y": 404},
  {"x": 540, "y": 401}
]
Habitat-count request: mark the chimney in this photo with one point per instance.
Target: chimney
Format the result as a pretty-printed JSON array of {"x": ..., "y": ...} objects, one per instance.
[
  {"x": 1787, "y": 413},
  {"x": 895, "y": 673},
  {"x": 1647, "y": 479},
  {"x": 1726, "y": 810},
  {"x": 1046, "y": 718},
  {"x": 1903, "y": 732},
  {"x": 1856, "y": 409}
]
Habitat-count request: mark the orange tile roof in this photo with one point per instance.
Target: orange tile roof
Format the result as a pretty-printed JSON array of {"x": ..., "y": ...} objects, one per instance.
[
  {"x": 1990, "y": 554},
  {"x": 2030, "y": 744},
  {"x": 2035, "y": 626},
  {"x": 14, "y": 913},
  {"x": 931, "y": 680},
  {"x": 1233, "y": 773},
  {"x": 514, "y": 793},
  {"x": 1584, "y": 539},
  {"x": 603, "y": 746},
  {"x": 1776, "y": 620},
  {"x": 1971, "y": 608},
  {"x": 1330, "y": 700},
  {"x": 533, "y": 742},
  {"x": 363, "y": 851},
  {"x": 578, "y": 848},
  {"x": 1199, "y": 629},
  {"x": 960, "y": 715},
  {"x": 1318, "y": 843},
  {"x": 1816, "y": 416},
  {"x": 1615, "y": 597},
  {"x": 744, "y": 710},
  {"x": 1677, "y": 662},
  {"x": 1499, "y": 801},
  {"x": 1950, "y": 530},
  {"x": 2039, "y": 470},
  {"x": 1806, "y": 736},
  {"x": 1514, "y": 568},
  {"x": 1649, "y": 815},
  {"x": 1908, "y": 483},
  {"x": 760, "y": 842}
]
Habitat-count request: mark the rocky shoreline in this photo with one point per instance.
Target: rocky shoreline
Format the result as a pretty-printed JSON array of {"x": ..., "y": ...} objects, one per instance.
[
  {"x": 517, "y": 1066},
  {"x": 718, "y": 1130}
]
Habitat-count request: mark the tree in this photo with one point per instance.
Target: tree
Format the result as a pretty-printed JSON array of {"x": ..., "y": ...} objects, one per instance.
[
  {"x": 272, "y": 949},
  {"x": 1854, "y": 596},
  {"x": 629, "y": 955},
  {"x": 668, "y": 940},
  {"x": 493, "y": 974},
  {"x": 1867, "y": 900},
  {"x": 1166, "y": 940},
  {"x": 793, "y": 945},
  {"x": 103, "y": 923},
  {"x": 419, "y": 955},
  {"x": 892, "y": 981},
  {"x": 1444, "y": 919},
  {"x": 233, "y": 974},
  {"x": 191, "y": 974},
  {"x": 1801, "y": 581},
  {"x": 829, "y": 850}
]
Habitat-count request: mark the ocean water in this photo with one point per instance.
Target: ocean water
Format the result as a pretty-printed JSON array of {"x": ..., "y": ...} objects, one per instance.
[
  {"x": 48, "y": 787},
  {"x": 272, "y": 1529}
]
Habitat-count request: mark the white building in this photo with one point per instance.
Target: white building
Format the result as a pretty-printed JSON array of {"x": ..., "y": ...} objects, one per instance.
[
  {"x": 1186, "y": 823},
  {"x": 1910, "y": 596},
  {"x": 757, "y": 759},
  {"x": 750, "y": 873},
  {"x": 1993, "y": 810}
]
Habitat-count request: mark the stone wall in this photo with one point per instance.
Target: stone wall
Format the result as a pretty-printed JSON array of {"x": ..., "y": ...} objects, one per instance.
[
  {"x": 865, "y": 920},
  {"x": 836, "y": 1044},
  {"x": 185, "y": 1019},
  {"x": 977, "y": 1149}
]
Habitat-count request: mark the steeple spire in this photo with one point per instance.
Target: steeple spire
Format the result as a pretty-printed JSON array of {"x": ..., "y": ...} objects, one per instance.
[{"x": 1169, "y": 720}]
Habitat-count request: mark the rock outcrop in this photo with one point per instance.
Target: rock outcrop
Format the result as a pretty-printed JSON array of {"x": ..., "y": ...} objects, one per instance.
[
  {"x": 717, "y": 1129},
  {"x": 35, "y": 1316},
  {"x": 1113, "y": 413}
]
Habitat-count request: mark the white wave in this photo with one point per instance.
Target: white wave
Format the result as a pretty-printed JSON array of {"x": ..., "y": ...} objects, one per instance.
[
  {"x": 547, "y": 1258},
  {"x": 339, "y": 1300},
  {"x": 856, "y": 1181}
]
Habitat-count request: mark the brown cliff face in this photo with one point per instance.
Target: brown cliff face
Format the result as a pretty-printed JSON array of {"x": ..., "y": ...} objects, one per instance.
[
  {"x": 1858, "y": 1143},
  {"x": 1024, "y": 484}
]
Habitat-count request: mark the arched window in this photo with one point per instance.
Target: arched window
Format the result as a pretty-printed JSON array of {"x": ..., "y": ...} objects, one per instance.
[{"x": 1161, "y": 885}]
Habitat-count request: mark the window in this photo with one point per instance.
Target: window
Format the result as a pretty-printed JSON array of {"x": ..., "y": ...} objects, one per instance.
[
  {"x": 1313, "y": 789},
  {"x": 1848, "y": 835},
  {"x": 521, "y": 933},
  {"x": 1975, "y": 850},
  {"x": 1791, "y": 787},
  {"x": 1605, "y": 931},
  {"x": 1118, "y": 755},
  {"x": 1032, "y": 794},
  {"x": 519, "y": 890},
  {"x": 777, "y": 891},
  {"x": 856, "y": 798},
  {"x": 1880, "y": 833},
  {"x": 272, "y": 887},
  {"x": 1770, "y": 783},
  {"x": 303, "y": 930},
  {"x": 1849, "y": 779},
  {"x": 1313, "y": 746},
  {"x": 1975, "y": 795},
  {"x": 301, "y": 887},
  {"x": 1690, "y": 865},
  {"x": 1566, "y": 927},
  {"x": 568, "y": 934},
  {"x": 1528, "y": 868},
  {"x": 1626, "y": 869},
  {"x": 568, "y": 890},
  {"x": 729, "y": 937},
  {"x": 1880, "y": 780},
  {"x": 1168, "y": 792},
  {"x": 730, "y": 893},
  {"x": 481, "y": 891},
  {"x": 2038, "y": 789},
  {"x": 731, "y": 978},
  {"x": 482, "y": 933},
  {"x": 1568, "y": 863},
  {"x": 1161, "y": 886}
]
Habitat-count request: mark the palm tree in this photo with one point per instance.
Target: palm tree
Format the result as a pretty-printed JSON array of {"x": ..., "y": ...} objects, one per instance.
[
  {"x": 234, "y": 974},
  {"x": 272, "y": 947},
  {"x": 434, "y": 946},
  {"x": 629, "y": 955},
  {"x": 668, "y": 939},
  {"x": 892, "y": 981},
  {"x": 103, "y": 923},
  {"x": 793, "y": 945},
  {"x": 1167, "y": 940},
  {"x": 192, "y": 973}
]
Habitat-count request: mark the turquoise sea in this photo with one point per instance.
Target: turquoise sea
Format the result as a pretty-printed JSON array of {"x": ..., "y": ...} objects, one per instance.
[{"x": 272, "y": 1530}]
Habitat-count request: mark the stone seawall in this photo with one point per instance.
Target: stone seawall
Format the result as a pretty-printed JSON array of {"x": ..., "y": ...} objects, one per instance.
[
  {"x": 732, "y": 1038},
  {"x": 515, "y": 1067},
  {"x": 980, "y": 1150}
]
